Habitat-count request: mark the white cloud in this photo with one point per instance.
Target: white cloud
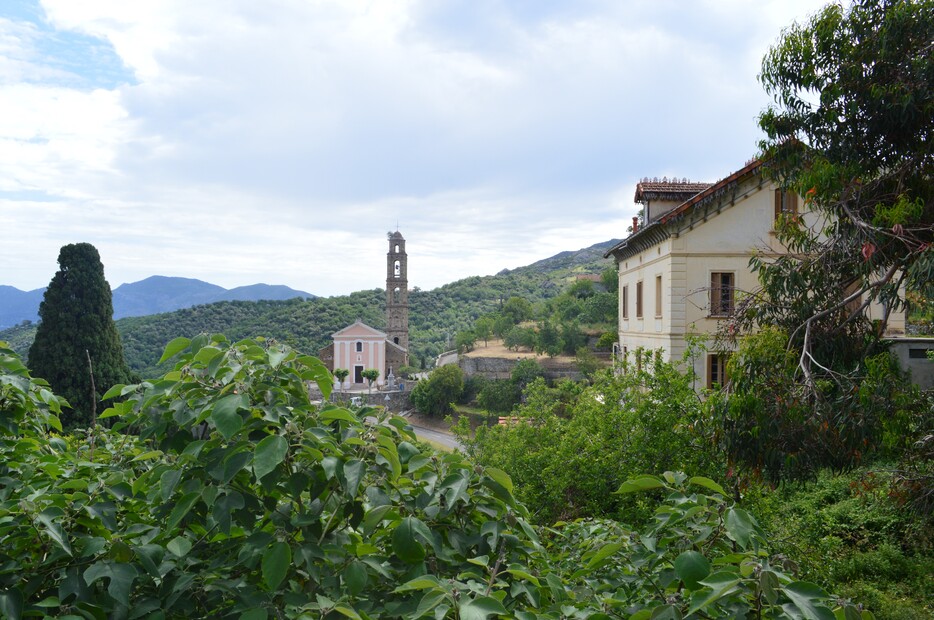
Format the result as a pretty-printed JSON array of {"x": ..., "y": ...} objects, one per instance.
[{"x": 279, "y": 141}]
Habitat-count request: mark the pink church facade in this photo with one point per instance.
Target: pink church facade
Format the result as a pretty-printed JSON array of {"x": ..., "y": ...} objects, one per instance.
[{"x": 358, "y": 347}]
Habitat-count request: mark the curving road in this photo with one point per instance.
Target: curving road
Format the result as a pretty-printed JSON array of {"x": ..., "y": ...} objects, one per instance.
[{"x": 445, "y": 439}]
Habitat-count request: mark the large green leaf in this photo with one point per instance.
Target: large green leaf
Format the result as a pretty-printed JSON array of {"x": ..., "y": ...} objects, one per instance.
[
  {"x": 354, "y": 469},
  {"x": 268, "y": 454},
  {"x": 11, "y": 604},
  {"x": 48, "y": 518},
  {"x": 720, "y": 584},
  {"x": 180, "y": 510},
  {"x": 121, "y": 579},
  {"x": 343, "y": 415},
  {"x": 708, "y": 484},
  {"x": 404, "y": 544},
  {"x": 640, "y": 483},
  {"x": 179, "y": 546},
  {"x": 226, "y": 416},
  {"x": 355, "y": 577},
  {"x": 691, "y": 567},
  {"x": 419, "y": 583},
  {"x": 809, "y": 599},
  {"x": 740, "y": 526},
  {"x": 430, "y": 601},
  {"x": 501, "y": 477},
  {"x": 177, "y": 345},
  {"x": 276, "y": 561},
  {"x": 603, "y": 553},
  {"x": 481, "y": 608}
]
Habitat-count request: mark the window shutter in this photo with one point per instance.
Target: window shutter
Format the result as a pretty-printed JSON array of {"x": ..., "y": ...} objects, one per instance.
[
  {"x": 778, "y": 203},
  {"x": 714, "y": 294},
  {"x": 792, "y": 198}
]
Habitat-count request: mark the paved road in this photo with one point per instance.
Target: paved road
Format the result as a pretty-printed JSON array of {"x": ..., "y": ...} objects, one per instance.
[{"x": 445, "y": 439}]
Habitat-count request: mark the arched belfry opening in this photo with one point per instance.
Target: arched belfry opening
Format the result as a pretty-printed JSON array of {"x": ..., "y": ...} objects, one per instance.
[{"x": 397, "y": 291}]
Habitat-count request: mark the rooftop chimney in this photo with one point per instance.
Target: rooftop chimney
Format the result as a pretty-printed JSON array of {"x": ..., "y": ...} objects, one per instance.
[{"x": 635, "y": 225}]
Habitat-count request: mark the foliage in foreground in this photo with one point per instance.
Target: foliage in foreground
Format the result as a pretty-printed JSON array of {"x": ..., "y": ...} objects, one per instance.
[{"x": 235, "y": 497}]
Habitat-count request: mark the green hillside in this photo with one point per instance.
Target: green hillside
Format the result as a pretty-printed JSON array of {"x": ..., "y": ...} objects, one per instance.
[{"x": 434, "y": 316}]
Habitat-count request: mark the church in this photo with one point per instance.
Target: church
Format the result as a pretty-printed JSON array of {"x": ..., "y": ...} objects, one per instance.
[{"x": 359, "y": 347}]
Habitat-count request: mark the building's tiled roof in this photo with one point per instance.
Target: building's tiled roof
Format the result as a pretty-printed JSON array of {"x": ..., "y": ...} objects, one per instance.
[
  {"x": 709, "y": 192},
  {"x": 668, "y": 189}
]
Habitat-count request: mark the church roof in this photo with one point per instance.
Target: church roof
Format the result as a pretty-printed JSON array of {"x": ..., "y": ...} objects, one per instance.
[
  {"x": 399, "y": 347},
  {"x": 358, "y": 329}
]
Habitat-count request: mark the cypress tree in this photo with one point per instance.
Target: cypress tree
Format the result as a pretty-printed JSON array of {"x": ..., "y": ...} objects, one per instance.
[{"x": 76, "y": 325}]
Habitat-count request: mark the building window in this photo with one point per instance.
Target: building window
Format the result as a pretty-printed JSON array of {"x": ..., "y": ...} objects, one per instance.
[
  {"x": 396, "y": 249},
  {"x": 716, "y": 370},
  {"x": 658, "y": 297},
  {"x": 359, "y": 347},
  {"x": 721, "y": 293},
  {"x": 624, "y": 302},
  {"x": 639, "y": 299},
  {"x": 917, "y": 354},
  {"x": 396, "y": 269},
  {"x": 785, "y": 202}
]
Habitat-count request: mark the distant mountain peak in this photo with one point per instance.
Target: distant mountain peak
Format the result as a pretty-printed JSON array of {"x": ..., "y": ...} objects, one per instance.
[{"x": 153, "y": 295}]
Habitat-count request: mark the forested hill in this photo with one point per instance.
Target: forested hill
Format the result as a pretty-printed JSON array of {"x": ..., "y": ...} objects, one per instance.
[{"x": 434, "y": 316}]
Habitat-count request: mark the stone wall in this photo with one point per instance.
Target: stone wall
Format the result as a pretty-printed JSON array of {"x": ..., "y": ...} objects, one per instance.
[
  {"x": 398, "y": 401},
  {"x": 501, "y": 368}
]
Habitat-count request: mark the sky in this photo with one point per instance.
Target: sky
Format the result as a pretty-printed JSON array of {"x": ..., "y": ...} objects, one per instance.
[{"x": 240, "y": 142}]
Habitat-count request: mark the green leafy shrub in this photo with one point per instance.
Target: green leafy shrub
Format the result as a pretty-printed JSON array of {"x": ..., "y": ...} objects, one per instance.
[
  {"x": 236, "y": 497},
  {"x": 699, "y": 557},
  {"x": 850, "y": 532},
  {"x": 774, "y": 425},
  {"x": 434, "y": 395},
  {"x": 572, "y": 447}
]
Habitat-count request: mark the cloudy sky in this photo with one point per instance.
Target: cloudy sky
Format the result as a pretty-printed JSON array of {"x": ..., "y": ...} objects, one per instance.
[{"x": 279, "y": 141}]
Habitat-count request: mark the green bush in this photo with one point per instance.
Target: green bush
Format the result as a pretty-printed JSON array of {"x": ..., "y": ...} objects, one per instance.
[
  {"x": 236, "y": 497},
  {"x": 434, "y": 395},
  {"x": 498, "y": 396},
  {"x": 573, "y": 447},
  {"x": 849, "y": 532}
]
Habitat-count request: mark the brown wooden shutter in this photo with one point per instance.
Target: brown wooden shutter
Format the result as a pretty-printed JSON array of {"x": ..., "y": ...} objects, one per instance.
[
  {"x": 778, "y": 203},
  {"x": 714, "y": 294}
]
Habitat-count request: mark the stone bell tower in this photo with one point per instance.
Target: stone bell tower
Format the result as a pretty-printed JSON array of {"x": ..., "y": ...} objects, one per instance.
[{"x": 397, "y": 292}]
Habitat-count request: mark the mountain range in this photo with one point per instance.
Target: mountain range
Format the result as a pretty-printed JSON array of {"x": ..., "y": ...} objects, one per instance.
[
  {"x": 153, "y": 295},
  {"x": 435, "y": 316}
]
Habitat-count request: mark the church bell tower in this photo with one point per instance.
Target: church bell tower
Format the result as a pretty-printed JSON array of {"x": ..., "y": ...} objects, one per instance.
[{"x": 397, "y": 292}]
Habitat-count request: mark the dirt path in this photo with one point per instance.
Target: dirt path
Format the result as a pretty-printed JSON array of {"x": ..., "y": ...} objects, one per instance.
[{"x": 497, "y": 349}]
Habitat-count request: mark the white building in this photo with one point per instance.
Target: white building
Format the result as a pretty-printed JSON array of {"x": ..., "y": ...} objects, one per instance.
[{"x": 681, "y": 272}]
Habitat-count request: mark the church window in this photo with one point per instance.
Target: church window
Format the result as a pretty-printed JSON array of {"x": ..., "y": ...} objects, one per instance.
[
  {"x": 359, "y": 346},
  {"x": 397, "y": 269},
  {"x": 396, "y": 339},
  {"x": 396, "y": 249}
]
